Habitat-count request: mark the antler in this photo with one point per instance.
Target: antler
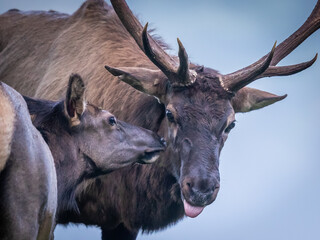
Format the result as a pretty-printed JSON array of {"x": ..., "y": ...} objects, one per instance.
[
  {"x": 264, "y": 67},
  {"x": 236, "y": 80},
  {"x": 239, "y": 79},
  {"x": 178, "y": 75}
]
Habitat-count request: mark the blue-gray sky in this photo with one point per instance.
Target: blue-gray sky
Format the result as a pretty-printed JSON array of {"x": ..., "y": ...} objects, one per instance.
[{"x": 270, "y": 165}]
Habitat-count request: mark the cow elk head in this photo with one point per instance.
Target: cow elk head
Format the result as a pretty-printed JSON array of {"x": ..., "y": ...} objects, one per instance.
[{"x": 105, "y": 143}]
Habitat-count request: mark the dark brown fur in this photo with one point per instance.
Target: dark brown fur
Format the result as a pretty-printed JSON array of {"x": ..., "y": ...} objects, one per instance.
[
  {"x": 139, "y": 197},
  {"x": 83, "y": 142}
]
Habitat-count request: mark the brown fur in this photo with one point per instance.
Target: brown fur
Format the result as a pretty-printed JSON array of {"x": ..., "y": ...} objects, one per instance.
[
  {"x": 140, "y": 197},
  {"x": 50, "y": 34},
  {"x": 95, "y": 146}
]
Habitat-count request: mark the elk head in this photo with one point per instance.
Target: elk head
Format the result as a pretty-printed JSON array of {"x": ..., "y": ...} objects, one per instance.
[
  {"x": 105, "y": 143},
  {"x": 201, "y": 103}
]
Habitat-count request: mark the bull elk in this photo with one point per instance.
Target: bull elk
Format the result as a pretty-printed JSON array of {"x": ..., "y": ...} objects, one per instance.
[{"x": 191, "y": 105}]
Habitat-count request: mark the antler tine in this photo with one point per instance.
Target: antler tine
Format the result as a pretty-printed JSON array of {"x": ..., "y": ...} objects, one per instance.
[
  {"x": 181, "y": 77},
  {"x": 177, "y": 75},
  {"x": 183, "y": 70},
  {"x": 158, "y": 59},
  {"x": 236, "y": 80},
  {"x": 155, "y": 53},
  {"x": 287, "y": 70},
  {"x": 282, "y": 50},
  {"x": 288, "y": 45},
  {"x": 311, "y": 25}
]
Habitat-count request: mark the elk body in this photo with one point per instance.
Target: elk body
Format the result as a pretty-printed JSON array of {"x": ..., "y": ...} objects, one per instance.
[
  {"x": 28, "y": 184},
  {"x": 87, "y": 141},
  {"x": 171, "y": 95}
]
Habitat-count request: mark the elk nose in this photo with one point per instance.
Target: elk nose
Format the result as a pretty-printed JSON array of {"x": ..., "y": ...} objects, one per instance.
[
  {"x": 200, "y": 191},
  {"x": 202, "y": 185}
]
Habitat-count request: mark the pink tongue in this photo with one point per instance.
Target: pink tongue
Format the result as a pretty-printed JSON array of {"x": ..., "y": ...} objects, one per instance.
[{"x": 191, "y": 211}]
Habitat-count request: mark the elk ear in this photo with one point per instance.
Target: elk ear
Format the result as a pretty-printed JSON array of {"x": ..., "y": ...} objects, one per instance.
[
  {"x": 248, "y": 99},
  {"x": 75, "y": 102},
  {"x": 152, "y": 82}
]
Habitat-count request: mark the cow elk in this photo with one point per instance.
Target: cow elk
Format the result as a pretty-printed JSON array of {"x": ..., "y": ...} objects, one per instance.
[
  {"x": 87, "y": 141},
  {"x": 28, "y": 184}
]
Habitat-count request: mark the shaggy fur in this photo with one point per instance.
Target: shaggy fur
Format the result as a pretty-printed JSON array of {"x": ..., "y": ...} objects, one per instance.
[{"x": 139, "y": 197}]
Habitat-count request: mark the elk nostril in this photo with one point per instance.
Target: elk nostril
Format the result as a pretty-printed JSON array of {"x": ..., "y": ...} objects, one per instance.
[
  {"x": 215, "y": 186},
  {"x": 189, "y": 184}
]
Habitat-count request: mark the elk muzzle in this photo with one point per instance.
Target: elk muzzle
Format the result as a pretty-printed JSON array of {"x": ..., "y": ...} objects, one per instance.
[
  {"x": 199, "y": 180},
  {"x": 198, "y": 193}
]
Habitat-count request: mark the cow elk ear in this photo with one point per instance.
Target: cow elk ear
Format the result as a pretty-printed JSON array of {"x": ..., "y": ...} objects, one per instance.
[
  {"x": 75, "y": 102},
  {"x": 248, "y": 99},
  {"x": 152, "y": 82}
]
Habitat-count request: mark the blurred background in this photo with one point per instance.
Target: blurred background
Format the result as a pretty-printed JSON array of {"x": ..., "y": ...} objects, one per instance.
[{"x": 270, "y": 165}]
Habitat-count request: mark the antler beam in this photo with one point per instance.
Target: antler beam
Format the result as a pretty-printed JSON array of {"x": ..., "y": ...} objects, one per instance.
[{"x": 282, "y": 50}]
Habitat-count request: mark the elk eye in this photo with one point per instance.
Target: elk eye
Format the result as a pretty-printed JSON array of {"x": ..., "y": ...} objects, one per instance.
[
  {"x": 169, "y": 116},
  {"x": 231, "y": 125},
  {"x": 112, "y": 121}
]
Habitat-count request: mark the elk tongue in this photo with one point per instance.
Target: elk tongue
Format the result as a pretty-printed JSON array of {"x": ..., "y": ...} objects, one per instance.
[{"x": 191, "y": 211}]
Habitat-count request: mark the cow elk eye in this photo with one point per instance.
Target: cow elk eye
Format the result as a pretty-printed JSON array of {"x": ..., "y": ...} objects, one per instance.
[
  {"x": 170, "y": 116},
  {"x": 231, "y": 125},
  {"x": 112, "y": 121}
]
